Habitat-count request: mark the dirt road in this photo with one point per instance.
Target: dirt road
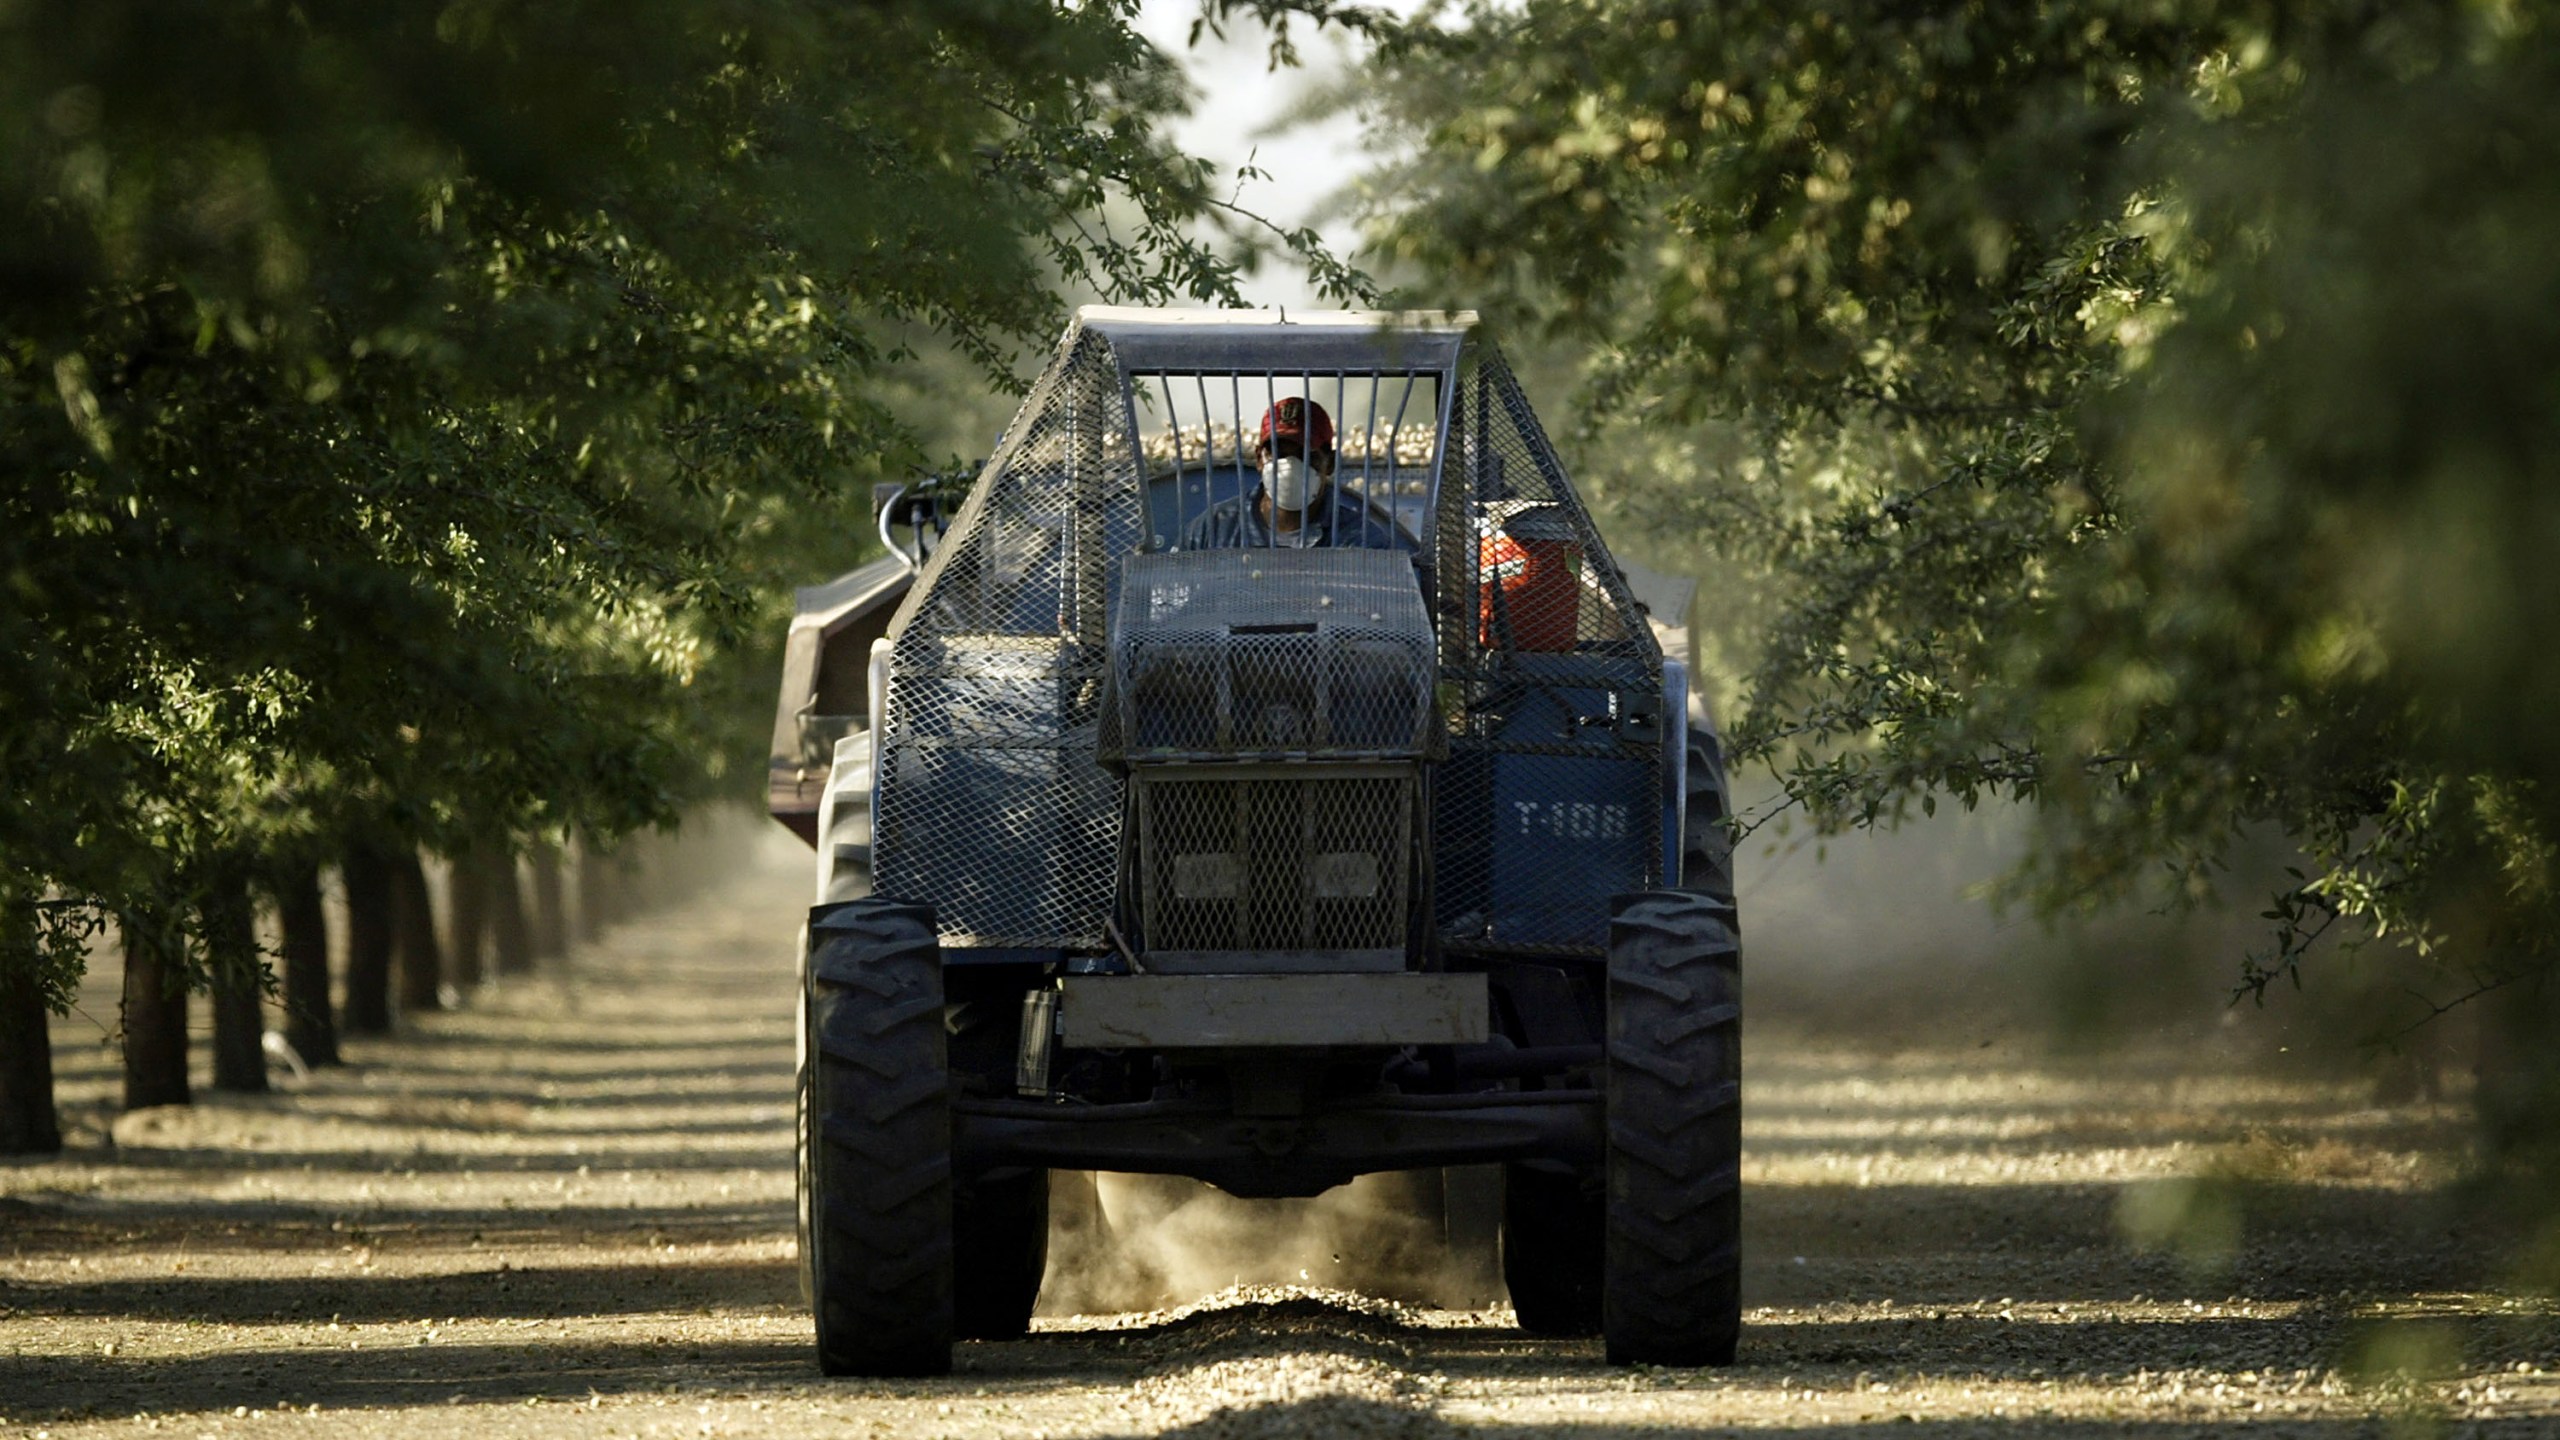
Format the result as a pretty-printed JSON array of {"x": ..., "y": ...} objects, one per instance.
[{"x": 566, "y": 1210}]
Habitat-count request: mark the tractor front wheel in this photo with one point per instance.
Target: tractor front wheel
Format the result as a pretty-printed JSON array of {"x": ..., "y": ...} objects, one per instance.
[
  {"x": 875, "y": 1142},
  {"x": 1673, "y": 1236}
]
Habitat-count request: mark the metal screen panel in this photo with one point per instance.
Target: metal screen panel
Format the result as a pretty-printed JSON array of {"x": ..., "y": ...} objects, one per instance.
[
  {"x": 1315, "y": 865},
  {"x": 1550, "y": 800},
  {"x": 1235, "y": 654},
  {"x": 991, "y": 804},
  {"x": 991, "y": 807},
  {"x": 1242, "y": 680}
]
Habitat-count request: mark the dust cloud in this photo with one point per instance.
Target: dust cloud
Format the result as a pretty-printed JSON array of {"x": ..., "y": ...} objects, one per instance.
[
  {"x": 1145, "y": 1242},
  {"x": 1885, "y": 936}
]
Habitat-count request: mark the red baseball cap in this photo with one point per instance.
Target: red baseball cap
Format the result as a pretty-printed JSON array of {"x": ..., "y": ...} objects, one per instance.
[{"x": 1303, "y": 421}]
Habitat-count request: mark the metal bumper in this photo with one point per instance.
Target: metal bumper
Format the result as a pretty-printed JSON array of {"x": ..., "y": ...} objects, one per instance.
[
  {"x": 1219, "y": 1012},
  {"x": 1279, "y": 1156}
]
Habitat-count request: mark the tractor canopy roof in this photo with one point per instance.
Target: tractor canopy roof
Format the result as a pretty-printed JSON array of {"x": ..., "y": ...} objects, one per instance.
[{"x": 1187, "y": 341}]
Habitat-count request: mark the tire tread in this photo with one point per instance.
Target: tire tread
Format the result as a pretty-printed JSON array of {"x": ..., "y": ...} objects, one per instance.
[
  {"x": 877, "y": 1152},
  {"x": 1671, "y": 1292}
]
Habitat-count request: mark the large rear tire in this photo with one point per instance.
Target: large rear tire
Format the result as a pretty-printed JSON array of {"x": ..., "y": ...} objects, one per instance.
[
  {"x": 1673, "y": 1246},
  {"x": 844, "y": 849},
  {"x": 1551, "y": 1229},
  {"x": 1000, "y": 1233},
  {"x": 1706, "y": 840},
  {"x": 875, "y": 1145}
]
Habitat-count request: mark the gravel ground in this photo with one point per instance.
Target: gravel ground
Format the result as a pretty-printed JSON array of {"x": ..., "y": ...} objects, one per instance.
[{"x": 565, "y": 1210}]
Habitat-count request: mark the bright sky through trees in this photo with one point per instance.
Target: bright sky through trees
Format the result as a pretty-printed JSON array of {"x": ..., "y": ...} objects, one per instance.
[{"x": 1242, "y": 117}]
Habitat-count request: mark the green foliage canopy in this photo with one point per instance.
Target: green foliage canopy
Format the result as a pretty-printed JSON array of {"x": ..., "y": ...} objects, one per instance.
[
  {"x": 411, "y": 412},
  {"x": 2141, "y": 407}
]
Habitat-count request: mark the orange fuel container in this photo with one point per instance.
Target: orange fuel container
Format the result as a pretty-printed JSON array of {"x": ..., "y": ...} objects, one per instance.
[{"x": 1530, "y": 574}]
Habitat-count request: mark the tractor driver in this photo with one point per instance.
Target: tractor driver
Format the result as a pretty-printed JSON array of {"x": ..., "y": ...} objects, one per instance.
[{"x": 1297, "y": 504}]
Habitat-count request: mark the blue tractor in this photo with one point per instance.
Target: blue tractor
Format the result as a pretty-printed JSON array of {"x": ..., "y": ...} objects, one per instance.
[{"x": 1266, "y": 776}]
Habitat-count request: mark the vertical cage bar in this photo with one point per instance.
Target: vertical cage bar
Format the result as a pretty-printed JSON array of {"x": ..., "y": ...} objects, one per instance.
[
  {"x": 1244, "y": 502},
  {"x": 1173, "y": 423},
  {"x": 1332, "y": 495},
  {"x": 1395, "y": 434},
  {"x": 1253, "y": 507},
  {"x": 1208, "y": 447},
  {"x": 1369, "y": 464},
  {"x": 1307, "y": 393}
]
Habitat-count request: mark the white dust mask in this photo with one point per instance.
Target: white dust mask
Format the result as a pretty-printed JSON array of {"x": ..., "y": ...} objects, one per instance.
[{"x": 1292, "y": 480}]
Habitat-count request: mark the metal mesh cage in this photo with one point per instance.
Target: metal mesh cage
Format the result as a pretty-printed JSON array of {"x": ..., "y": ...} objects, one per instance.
[
  {"x": 1235, "y": 654},
  {"x": 990, "y": 804},
  {"x": 1199, "y": 434},
  {"x": 1552, "y": 796},
  {"x": 1311, "y": 870}
]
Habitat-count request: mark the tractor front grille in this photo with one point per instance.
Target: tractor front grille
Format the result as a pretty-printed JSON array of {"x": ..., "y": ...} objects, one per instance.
[{"x": 1303, "y": 867}]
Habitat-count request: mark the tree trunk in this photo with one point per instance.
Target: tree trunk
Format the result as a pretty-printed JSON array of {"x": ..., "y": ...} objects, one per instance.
[
  {"x": 367, "y": 1009},
  {"x": 511, "y": 939},
  {"x": 27, "y": 1123},
  {"x": 550, "y": 924},
  {"x": 155, "y": 1014},
  {"x": 591, "y": 896},
  {"x": 467, "y": 918},
  {"x": 239, "y": 991},
  {"x": 604, "y": 888},
  {"x": 414, "y": 920},
  {"x": 310, "y": 1023}
]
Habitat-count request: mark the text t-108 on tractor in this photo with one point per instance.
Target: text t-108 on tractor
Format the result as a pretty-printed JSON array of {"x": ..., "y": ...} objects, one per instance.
[{"x": 1267, "y": 776}]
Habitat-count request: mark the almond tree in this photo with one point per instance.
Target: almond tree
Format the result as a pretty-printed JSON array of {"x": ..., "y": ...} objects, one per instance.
[
  {"x": 2145, "y": 411},
  {"x": 412, "y": 414}
]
